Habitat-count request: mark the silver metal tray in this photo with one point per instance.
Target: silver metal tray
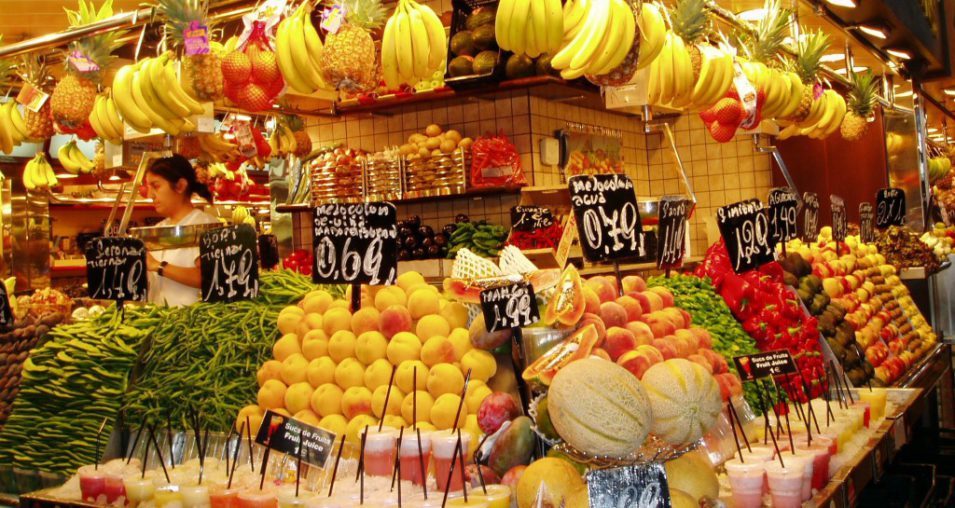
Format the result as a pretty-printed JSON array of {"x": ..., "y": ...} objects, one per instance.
[{"x": 171, "y": 237}]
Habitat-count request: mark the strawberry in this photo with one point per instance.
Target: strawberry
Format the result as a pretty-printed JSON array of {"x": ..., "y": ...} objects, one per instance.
[
  {"x": 236, "y": 68},
  {"x": 722, "y": 133},
  {"x": 253, "y": 97},
  {"x": 728, "y": 112}
]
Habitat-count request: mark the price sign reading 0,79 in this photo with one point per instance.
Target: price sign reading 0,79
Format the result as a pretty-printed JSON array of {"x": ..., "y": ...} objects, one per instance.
[
  {"x": 355, "y": 244},
  {"x": 608, "y": 221}
]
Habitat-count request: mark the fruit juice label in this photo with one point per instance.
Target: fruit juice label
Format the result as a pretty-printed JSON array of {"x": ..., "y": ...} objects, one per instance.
[
  {"x": 333, "y": 17},
  {"x": 196, "y": 38}
]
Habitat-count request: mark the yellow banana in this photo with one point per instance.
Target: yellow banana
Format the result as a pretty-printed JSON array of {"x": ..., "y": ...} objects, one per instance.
[
  {"x": 64, "y": 154},
  {"x": 571, "y": 31},
  {"x": 299, "y": 50},
  {"x": 503, "y": 17},
  {"x": 28, "y": 174},
  {"x": 437, "y": 40},
  {"x": 389, "y": 57},
  {"x": 664, "y": 64},
  {"x": 726, "y": 63},
  {"x": 517, "y": 26},
  {"x": 404, "y": 45},
  {"x": 19, "y": 125},
  {"x": 619, "y": 39},
  {"x": 95, "y": 121},
  {"x": 78, "y": 157},
  {"x": 553, "y": 14},
  {"x": 652, "y": 32},
  {"x": 708, "y": 78},
  {"x": 538, "y": 21},
  {"x": 154, "y": 78},
  {"x": 601, "y": 13},
  {"x": 112, "y": 116},
  {"x": 683, "y": 71},
  {"x": 145, "y": 105},
  {"x": 283, "y": 55},
  {"x": 102, "y": 115},
  {"x": 419, "y": 41},
  {"x": 126, "y": 103},
  {"x": 176, "y": 90},
  {"x": 6, "y": 134},
  {"x": 653, "y": 90}
]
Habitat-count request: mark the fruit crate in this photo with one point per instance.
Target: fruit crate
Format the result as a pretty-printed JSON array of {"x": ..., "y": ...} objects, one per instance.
[
  {"x": 337, "y": 182},
  {"x": 443, "y": 175},
  {"x": 462, "y": 10},
  {"x": 382, "y": 177}
]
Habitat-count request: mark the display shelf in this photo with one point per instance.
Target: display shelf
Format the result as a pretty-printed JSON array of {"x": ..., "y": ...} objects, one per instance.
[
  {"x": 83, "y": 204},
  {"x": 919, "y": 272},
  {"x": 470, "y": 193}
]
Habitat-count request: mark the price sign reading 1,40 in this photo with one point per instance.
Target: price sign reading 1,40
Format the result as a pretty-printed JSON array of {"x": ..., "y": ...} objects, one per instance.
[
  {"x": 866, "y": 216},
  {"x": 608, "y": 221},
  {"x": 840, "y": 222},
  {"x": 671, "y": 231},
  {"x": 355, "y": 244},
  {"x": 510, "y": 306},
  {"x": 890, "y": 208},
  {"x": 783, "y": 208},
  {"x": 810, "y": 219},
  {"x": 745, "y": 229}
]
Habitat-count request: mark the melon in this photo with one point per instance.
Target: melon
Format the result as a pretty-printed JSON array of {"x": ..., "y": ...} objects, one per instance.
[
  {"x": 693, "y": 474},
  {"x": 567, "y": 306},
  {"x": 684, "y": 398},
  {"x": 599, "y": 408}
]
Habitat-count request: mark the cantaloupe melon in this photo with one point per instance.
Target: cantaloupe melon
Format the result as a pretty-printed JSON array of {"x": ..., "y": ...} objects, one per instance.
[
  {"x": 693, "y": 474},
  {"x": 684, "y": 399},
  {"x": 680, "y": 499},
  {"x": 598, "y": 407}
]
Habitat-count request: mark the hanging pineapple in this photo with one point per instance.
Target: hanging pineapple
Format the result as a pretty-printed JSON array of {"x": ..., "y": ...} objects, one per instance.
[
  {"x": 763, "y": 48},
  {"x": 39, "y": 123},
  {"x": 806, "y": 65},
  {"x": 860, "y": 104},
  {"x": 201, "y": 73},
  {"x": 350, "y": 61},
  {"x": 303, "y": 143},
  {"x": 86, "y": 62}
]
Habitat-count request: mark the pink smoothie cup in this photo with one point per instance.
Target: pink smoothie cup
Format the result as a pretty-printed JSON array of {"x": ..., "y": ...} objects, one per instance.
[
  {"x": 785, "y": 483},
  {"x": 820, "y": 463},
  {"x": 747, "y": 482}
]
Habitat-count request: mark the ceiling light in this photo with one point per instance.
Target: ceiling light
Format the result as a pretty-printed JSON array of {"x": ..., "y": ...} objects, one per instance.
[
  {"x": 832, "y": 57},
  {"x": 949, "y": 92},
  {"x": 899, "y": 53},
  {"x": 752, "y": 14},
  {"x": 873, "y": 31},
  {"x": 114, "y": 178},
  {"x": 66, "y": 176},
  {"x": 857, "y": 69},
  {"x": 848, "y": 4},
  {"x": 907, "y": 93},
  {"x": 932, "y": 130}
]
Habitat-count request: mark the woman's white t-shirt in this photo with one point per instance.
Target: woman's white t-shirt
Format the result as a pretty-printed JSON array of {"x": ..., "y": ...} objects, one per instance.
[{"x": 167, "y": 291}]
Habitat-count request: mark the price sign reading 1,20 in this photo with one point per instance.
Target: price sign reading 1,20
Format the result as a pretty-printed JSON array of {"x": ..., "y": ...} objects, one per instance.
[
  {"x": 890, "y": 208},
  {"x": 355, "y": 244},
  {"x": 510, "y": 306},
  {"x": 810, "y": 219},
  {"x": 608, "y": 222},
  {"x": 840, "y": 222},
  {"x": 116, "y": 269},
  {"x": 783, "y": 208},
  {"x": 671, "y": 231},
  {"x": 866, "y": 216},
  {"x": 745, "y": 229}
]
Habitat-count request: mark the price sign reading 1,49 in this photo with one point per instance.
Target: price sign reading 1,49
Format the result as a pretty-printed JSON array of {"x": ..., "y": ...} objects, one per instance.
[
  {"x": 745, "y": 229},
  {"x": 890, "y": 208},
  {"x": 783, "y": 208},
  {"x": 510, "y": 306},
  {"x": 608, "y": 222},
  {"x": 671, "y": 231},
  {"x": 840, "y": 222},
  {"x": 810, "y": 223},
  {"x": 355, "y": 244}
]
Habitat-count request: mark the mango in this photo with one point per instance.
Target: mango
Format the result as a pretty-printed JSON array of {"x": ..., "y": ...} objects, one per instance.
[{"x": 514, "y": 447}]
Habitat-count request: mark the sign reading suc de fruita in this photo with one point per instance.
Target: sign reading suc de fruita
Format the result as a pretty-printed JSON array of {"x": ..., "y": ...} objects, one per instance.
[
  {"x": 745, "y": 229},
  {"x": 355, "y": 244},
  {"x": 293, "y": 437},
  {"x": 608, "y": 221},
  {"x": 116, "y": 269},
  {"x": 229, "y": 262}
]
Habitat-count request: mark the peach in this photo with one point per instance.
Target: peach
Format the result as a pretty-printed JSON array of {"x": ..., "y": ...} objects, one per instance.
[
  {"x": 716, "y": 360},
  {"x": 336, "y": 319},
  {"x": 687, "y": 318},
  {"x": 654, "y": 300},
  {"x": 403, "y": 346},
  {"x": 729, "y": 384},
  {"x": 684, "y": 348},
  {"x": 316, "y": 302},
  {"x": 480, "y": 363},
  {"x": 377, "y": 374},
  {"x": 594, "y": 319},
  {"x": 314, "y": 345},
  {"x": 341, "y": 345},
  {"x": 689, "y": 337},
  {"x": 422, "y": 303},
  {"x": 432, "y": 325},
  {"x": 659, "y": 325},
  {"x": 388, "y": 296},
  {"x": 619, "y": 341},
  {"x": 613, "y": 314},
  {"x": 294, "y": 369},
  {"x": 272, "y": 394},
  {"x": 313, "y": 321},
  {"x": 634, "y": 283},
  {"x": 411, "y": 375},
  {"x": 356, "y": 401},
  {"x": 271, "y": 369},
  {"x": 437, "y": 350},
  {"x": 640, "y": 360},
  {"x": 394, "y": 401},
  {"x": 601, "y": 353},
  {"x": 666, "y": 348},
  {"x": 701, "y": 360},
  {"x": 349, "y": 373},
  {"x": 665, "y": 295},
  {"x": 641, "y": 332},
  {"x": 673, "y": 315},
  {"x": 456, "y": 314},
  {"x": 327, "y": 400},
  {"x": 370, "y": 346},
  {"x": 614, "y": 283},
  {"x": 603, "y": 289},
  {"x": 393, "y": 320},
  {"x": 642, "y": 299},
  {"x": 632, "y": 306},
  {"x": 702, "y": 337},
  {"x": 320, "y": 371},
  {"x": 408, "y": 279},
  {"x": 297, "y": 396},
  {"x": 591, "y": 300},
  {"x": 416, "y": 407},
  {"x": 365, "y": 320}
]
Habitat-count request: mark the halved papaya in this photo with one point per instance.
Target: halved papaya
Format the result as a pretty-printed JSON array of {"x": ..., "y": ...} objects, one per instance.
[
  {"x": 576, "y": 347},
  {"x": 567, "y": 306}
]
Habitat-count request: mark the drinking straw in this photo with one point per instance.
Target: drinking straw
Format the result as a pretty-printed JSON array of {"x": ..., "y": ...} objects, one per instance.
[
  {"x": 414, "y": 404},
  {"x": 384, "y": 409},
  {"x": 789, "y": 430},
  {"x": 740, "y": 424},
  {"x": 172, "y": 453},
  {"x": 99, "y": 434},
  {"x": 845, "y": 381},
  {"x": 248, "y": 438},
  {"x": 361, "y": 467},
  {"x": 812, "y": 412},
  {"x": 265, "y": 458},
  {"x": 132, "y": 449},
  {"x": 298, "y": 465},
  {"x": 202, "y": 454},
  {"x": 162, "y": 462},
  {"x": 447, "y": 486},
  {"x": 762, "y": 407},
  {"x": 145, "y": 459},
  {"x": 424, "y": 479},
  {"x": 739, "y": 450},
  {"x": 235, "y": 455},
  {"x": 464, "y": 482},
  {"x": 338, "y": 458},
  {"x": 464, "y": 392},
  {"x": 477, "y": 463},
  {"x": 396, "y": 469},
  {"x": 361, "y": 454},
  {"x": 227, "y": 439}
]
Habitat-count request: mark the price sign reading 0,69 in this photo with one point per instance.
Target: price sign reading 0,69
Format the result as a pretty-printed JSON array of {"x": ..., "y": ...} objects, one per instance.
[
  {"x": 355, "y": 244},
  {"x": 608, "y": 221}
]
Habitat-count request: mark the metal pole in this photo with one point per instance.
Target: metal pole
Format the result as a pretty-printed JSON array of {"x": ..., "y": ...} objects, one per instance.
[{"x": 920, "y": 138}]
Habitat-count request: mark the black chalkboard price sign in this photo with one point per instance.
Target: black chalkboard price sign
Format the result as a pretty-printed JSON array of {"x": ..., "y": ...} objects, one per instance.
[
  {"x": 642, "y": 486},
  {"x": 866, "y": 217},
  {"x": 116, "y": 269},
  {"x": 355, "y": 244},
  {"x": 509, "y": 306},
  {"x": 672, "y": 213},
  {"x": 890, "y": 208},
  {"x": 229, "y": 262},
  {"x": 810, "y": 218},
  {"x": 745, "y": 228},
  {"x": 840, "y": 222},
  {"x": 783, "y": 210},
  {"x": 531, "y": 218},
  {"x": 608, "y": 222},
  {"x": 286, "y": 435},
  {"x": 6, "y": 312}
]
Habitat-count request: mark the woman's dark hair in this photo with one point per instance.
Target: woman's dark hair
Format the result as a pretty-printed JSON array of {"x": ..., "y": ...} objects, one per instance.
[{"x": 177, "y": 167}]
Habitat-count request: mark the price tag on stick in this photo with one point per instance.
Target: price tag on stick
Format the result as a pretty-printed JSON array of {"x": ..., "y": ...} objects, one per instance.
[
  {"x": 890, "y": 208},
  {"x": 810, "y": 218},
  {"x": 229, "y": 262},
  {"x": 608, "y": 220},
  {"x": 531, "y": 218},
  {"x": 6, "y": 312},
  {"x": 672, "y": 213},
  {"x": 629, "y": 486},
  {"x": 783, "y": 208},
  {"x": 866, "y": 217},
  {"x": 745, "y": 229},
  {"x": 510, "y": 306},
  {"x": 840, "y": 222},
  {"x": 355, "y": 244},
  {"x": 116, "y": 269}
]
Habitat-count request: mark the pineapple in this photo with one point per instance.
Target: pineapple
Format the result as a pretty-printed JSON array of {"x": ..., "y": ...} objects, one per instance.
[
  {"x": 202, "y": 74},
  {"x": 74, "y": 95},
  {"x": 39, "y": 124},
  {"x": 689, "y": 20},
  {"x": 349, "y": 61},
  {"x": 806, "y": 65},
  {"x": 770, "y": 32},
  {"x": 860, "y": 104}
]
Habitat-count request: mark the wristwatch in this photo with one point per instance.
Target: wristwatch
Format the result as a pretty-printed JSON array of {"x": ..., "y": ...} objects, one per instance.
[{"x": 161, "y": 267}]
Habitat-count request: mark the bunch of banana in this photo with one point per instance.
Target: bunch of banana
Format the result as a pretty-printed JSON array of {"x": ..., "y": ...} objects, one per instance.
[
  {"x": 782, "y": 90},
  {"x": 148, "y": 94},
  {"x": 414, "y": 45},
  {"x": 38, "y": 174},
  {"x": 938, "y": 167},
  {"x": 599, "y": 42},
  {"x": 73, "y": 160},
  {"x": 824, "y": 118},
  {"x": 282, "y": 141},
  {"x": 671, "y": 74},
  {"x": 299, "y": 51},
  {"x": 217, "y": 148},
  {"x": 715, "y": 79},
  {"x": 534, "y": 27},
  {"x": 13, "y": 128},
  {"x": 105, "y": 119},
  {"x": 653, "y": 33}
]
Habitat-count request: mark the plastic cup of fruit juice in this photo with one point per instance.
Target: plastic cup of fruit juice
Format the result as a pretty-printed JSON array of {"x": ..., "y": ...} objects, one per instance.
[
  {"x": 807, "y": 457},
  {"x": 380, "y": 452},
  {"x": 474, "y": 501},
  {"x": 747, "y": 482},
  {"x": 785, "y": 483},
  {"x": 114, "y": 489},
  {"x": 759, "y": 454},
  {"x": 410, "y": 457},
  {"x": 168, "y": 497},
  {"x": 223, "y": 498},
  {"x": 820, "y": 462},
  {"x": 497, "y": 496},
  {"x": 195, "y": 496},
  {"x": 92, "y": 483},
  {"x": 288, "y": 499},
  {"x": 139, "y": 490},
  {"x": 257, "y": 499},
  {"x": 867, "y": 411},
  {"x": 443, "y": 445},
  {"x": 876, "y": 400}
]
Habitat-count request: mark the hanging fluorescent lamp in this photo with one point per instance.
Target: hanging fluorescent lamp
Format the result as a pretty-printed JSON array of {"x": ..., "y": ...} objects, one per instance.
[
  {"x": 848, "y": 4},
  {"x": 876, "y": 31},
  {"x": 752, "y": 15},
  {"x": 904, "y": 54},
  {"x": 857, "y": 69},
  {"x": 949, "y": 92},
  {"x": 832, "y": 57}
]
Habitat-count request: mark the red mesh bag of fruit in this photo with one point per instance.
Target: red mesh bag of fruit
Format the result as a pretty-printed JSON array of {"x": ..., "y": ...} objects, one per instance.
[
  {"x": 495, "y": 162},
  {"x": 251, "y": 72}
]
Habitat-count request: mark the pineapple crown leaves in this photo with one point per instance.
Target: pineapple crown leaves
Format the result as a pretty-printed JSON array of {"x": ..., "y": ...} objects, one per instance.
[
  {"x": 862, "y": 93},
  {"x": 689, "y": 19},
  {"x": 770, "y": 32},
  {"x": 367, "y": 14},
  {"x": 179, "y": 14},
  {"x": 811, "y": 49},
  {"x": 97, "y": 47},
  {"x": 33, "y": 70}
]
